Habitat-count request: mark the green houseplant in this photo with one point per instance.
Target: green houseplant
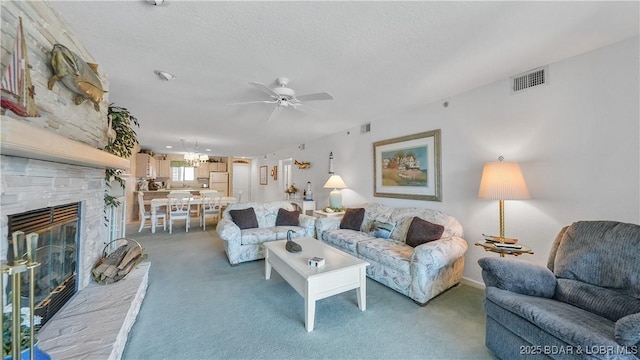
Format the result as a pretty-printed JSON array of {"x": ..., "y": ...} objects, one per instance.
[
  {"x": 121, "y": 144},
  {"x": 25, "y": 333}
]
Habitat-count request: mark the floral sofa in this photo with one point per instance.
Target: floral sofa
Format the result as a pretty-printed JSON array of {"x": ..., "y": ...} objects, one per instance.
[
  {"x": 244, "y": 244},
  {"x": 419, "y": 272}
]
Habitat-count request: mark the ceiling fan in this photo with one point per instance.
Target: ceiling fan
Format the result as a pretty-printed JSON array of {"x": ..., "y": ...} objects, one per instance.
[{"x": 284, "y": 97}]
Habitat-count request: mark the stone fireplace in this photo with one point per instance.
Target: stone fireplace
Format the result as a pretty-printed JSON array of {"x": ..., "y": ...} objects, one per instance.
[
  {"x": 29, "y": 183},
  {"x": 40, "y": 170},
  {"x": 54, "y": 160}
]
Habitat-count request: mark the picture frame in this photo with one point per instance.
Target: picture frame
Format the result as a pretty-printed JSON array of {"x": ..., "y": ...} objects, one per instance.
[
  {"x": 263, "y": 175},
  {"x": 408, "y": 167}
]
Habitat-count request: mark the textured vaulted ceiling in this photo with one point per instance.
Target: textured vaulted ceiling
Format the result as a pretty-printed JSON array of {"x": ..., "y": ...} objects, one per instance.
[{"x": 376, "y": 58}]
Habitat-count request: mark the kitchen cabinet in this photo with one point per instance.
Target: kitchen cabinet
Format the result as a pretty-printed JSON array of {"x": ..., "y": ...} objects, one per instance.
[
  {"x": 164, "y": 169},
  {"x": 202, "y": 171},
  {"x": 219, "y": 167},
  {"x": 145, "y": 166}
]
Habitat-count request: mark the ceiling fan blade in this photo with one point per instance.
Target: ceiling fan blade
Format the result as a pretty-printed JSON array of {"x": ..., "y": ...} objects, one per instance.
[
  {"x": 316, "y": 96},
  {"x": 254, "y": 102},
  {"x": 264, "y": 88},
  {"x": 301, "y": 107},
  {"x": 273, "y": 112}
]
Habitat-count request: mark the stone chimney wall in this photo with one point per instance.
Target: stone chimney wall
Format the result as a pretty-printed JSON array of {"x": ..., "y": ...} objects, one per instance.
[{"x": 28, "y": 184}]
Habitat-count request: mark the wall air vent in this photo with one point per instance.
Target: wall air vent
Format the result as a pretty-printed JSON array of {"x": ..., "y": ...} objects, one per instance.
[
  {"x": 365, "y": 128},
  {"x": 529, "y": 79}
]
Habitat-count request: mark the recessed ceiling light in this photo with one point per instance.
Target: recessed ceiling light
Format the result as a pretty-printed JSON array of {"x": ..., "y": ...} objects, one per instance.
[
  {"x": 156, "y": 2},
  {"x": 207, "y": 149},
  {"x": 169, "y": 147},
  {"x": 163, "y": 75}
]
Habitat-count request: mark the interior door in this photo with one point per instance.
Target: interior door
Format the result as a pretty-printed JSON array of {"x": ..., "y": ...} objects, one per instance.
[
  {"x": 241, "y": 182},
  {"x": 287, "y": 175}
]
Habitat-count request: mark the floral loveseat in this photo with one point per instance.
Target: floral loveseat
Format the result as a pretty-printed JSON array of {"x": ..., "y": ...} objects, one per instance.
[
  {"x": 268, "y": 224},
  {"x": 421, "y": 271}
]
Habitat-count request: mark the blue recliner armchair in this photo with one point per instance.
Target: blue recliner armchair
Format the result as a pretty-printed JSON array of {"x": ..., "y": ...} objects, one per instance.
[{"x": 584, "y": 305}]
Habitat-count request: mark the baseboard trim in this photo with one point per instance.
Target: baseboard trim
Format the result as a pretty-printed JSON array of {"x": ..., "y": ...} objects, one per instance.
[{"x": 472, "y": 283}]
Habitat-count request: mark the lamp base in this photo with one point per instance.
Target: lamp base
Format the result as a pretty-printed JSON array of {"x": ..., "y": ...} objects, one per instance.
[{"x": 335, "y": 199}]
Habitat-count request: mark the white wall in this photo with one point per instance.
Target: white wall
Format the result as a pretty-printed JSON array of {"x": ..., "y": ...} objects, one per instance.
[{"x": 576, "y": 138}]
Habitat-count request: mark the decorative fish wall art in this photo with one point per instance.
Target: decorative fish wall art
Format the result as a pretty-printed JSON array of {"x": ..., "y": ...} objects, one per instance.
[
  {"x": 77, "y": 75},
  {"x": 302, "y": 165}
]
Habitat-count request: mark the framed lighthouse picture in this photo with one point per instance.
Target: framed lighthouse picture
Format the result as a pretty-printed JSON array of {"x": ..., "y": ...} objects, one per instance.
[{"x": 408, "y": 167}]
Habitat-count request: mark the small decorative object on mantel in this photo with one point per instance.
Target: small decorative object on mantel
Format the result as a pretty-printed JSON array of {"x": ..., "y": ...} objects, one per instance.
[
  {"x": 292, "y": 246},
  {"x": 78, "y": 75},
  {"x": 302, "y": 165},
  {"x": 111, "y": 134},
  {"x": 17, "y": 90}
]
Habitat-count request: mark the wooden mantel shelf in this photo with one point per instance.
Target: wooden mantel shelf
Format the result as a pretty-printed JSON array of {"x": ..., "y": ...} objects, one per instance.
[{"x": 23, "y": 140}]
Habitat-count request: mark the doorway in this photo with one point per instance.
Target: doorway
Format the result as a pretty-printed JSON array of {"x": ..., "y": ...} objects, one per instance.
[
  {"x": 242, "y": 180},
  {"x": 287, "y": 175}
]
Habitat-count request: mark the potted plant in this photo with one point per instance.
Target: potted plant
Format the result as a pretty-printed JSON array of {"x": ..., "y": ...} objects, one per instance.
[
  {"x": 291, "y": 191},
  {"x": 121, "y": 144},
  {"x": 25, "y": 335}
]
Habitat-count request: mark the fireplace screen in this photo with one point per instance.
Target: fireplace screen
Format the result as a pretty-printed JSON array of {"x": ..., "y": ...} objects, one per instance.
[{"x": 55, "y": 278}]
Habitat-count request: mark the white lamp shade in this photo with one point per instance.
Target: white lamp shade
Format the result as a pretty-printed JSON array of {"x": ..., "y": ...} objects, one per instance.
[
  {"x": 335, "y": 182},
  {"x": 502, "y": 181}
]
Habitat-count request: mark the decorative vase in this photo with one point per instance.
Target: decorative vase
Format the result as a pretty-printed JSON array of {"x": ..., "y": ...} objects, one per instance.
[{"x": 26, "y": 354}]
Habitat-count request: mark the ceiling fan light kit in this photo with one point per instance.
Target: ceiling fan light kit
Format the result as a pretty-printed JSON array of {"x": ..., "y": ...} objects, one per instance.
[
  {"x": 155, "y": 2},
  {"x": 282, "y": 96}
]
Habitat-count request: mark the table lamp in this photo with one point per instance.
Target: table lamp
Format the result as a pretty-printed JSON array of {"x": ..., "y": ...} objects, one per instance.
[
  {"x": 502, "y": 181},
  {"x": 335, "y": 196}
]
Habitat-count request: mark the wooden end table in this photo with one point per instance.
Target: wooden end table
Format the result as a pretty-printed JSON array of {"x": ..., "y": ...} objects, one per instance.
[{"x": 490, "y": 246}]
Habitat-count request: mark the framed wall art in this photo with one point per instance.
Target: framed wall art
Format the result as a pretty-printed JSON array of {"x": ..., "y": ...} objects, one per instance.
[
  {"x": 408, "y": 167},
  {"x": 263, "y": 175}
]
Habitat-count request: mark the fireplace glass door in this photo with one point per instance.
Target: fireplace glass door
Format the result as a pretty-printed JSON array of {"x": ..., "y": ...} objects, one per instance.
[{"x": 55, "y": 278}]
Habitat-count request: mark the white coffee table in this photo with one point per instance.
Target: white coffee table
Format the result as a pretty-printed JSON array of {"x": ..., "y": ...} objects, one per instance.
[{"x": 341, "y": 272}]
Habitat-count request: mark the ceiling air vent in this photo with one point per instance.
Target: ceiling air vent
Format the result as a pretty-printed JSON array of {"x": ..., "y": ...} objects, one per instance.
[
  {"x": 365, "y": 128},
  {"x": 529, "y": 79}
]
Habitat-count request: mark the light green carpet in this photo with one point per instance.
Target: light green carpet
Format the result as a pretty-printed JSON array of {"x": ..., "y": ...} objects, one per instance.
[{"x": 199, "y": 307}]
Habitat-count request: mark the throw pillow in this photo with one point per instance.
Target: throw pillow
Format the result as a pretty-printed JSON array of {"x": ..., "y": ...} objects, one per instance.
[
  {"x": 352, "y": 219},
  {"x": 381, "y": 229},
  {"x": 245, "y": 218},
  {"x": 287, "y": 218},
  {"x": 422, "y": 231}
]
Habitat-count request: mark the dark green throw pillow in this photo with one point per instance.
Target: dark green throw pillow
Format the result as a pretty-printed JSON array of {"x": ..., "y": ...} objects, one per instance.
[
  {"x": 287, "y": 218},
  {"x": 245, "y": 218},
  {"x": 423, "y": 231},
  {"x": 352, "y": 219}
]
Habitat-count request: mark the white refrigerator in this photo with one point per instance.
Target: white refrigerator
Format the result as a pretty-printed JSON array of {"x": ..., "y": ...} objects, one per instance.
[{"x": 219, "y": 181}]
